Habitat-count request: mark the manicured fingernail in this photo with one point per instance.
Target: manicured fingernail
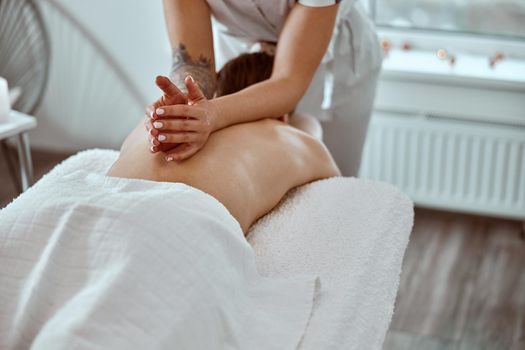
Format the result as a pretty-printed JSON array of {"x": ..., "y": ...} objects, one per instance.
[
  {"x": 161, "y": 138},
  {"x": 191, "y": 78},
  {"x": 151, "y": 115},
  {"x": 160, "y": 111},
  {"x": 169, "y": 159},
  {"x": 152, "y": 149},
  {"x": 157, "y": 125}
]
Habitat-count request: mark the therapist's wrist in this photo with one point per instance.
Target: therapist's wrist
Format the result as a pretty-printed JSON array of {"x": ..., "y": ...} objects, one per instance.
[{"x": 217, "y": 121}]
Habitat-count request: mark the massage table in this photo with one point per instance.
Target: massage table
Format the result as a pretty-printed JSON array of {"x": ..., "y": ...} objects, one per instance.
[{"x": 350, "y": 233}]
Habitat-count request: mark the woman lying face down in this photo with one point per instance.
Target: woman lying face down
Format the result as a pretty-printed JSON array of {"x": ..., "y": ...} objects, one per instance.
[{"x": 247, "y": 167}]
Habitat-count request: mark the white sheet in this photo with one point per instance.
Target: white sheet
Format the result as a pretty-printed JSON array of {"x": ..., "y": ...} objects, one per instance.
[
  {"x": 350, "y": 232},
  {"x": 92, "y": 262}
]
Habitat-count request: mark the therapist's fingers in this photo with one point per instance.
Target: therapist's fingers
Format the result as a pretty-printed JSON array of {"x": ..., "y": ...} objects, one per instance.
[
  {"x": 154, "y": 132},
  {"x": 155, "y": 105},
  {"x": 177, "y": 125},
  {"x": 195, "y": 94},
  {"x": 155, "y": 146},
  {"x": 183, "y": 152},
  {"x": 172, "y": 94},
  {"x": 178, "y": 111},
  {"x": 179, "y": 137},
  {"x": 148, "y": 125},
  {"x": 150, "y": 110},
  {"x": 161, "y": 102},
  {"x": 153, "y": 140}
]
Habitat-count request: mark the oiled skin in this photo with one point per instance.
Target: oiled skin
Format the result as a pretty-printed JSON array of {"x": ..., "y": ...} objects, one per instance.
[{"x": 248, "y": 167}]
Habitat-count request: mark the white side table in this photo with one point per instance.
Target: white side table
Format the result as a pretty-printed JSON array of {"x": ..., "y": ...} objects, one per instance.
[{"x": 18, "y": 126}]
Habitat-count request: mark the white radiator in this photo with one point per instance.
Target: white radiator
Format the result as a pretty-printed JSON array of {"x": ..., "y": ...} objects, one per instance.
[{"x": 449, "y": 164}]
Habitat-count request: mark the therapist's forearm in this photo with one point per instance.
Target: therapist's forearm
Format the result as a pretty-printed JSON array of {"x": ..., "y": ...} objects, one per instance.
[
  {"x": 201, "y": 69},
  {"x": 189, "y": 30},
  {"x": 269, "y": 99}
]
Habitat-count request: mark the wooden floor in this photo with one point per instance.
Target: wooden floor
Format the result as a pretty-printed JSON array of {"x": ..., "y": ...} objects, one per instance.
[
  {"x": 42, "y": 163},
  {"x": 462, "y": 286}
]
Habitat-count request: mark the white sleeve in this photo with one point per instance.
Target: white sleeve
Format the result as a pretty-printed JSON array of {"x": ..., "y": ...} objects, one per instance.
[{"x": 318, "y": 3}]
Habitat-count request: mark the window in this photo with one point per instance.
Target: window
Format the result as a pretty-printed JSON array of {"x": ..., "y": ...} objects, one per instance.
[{"x": 497, "y": 18}]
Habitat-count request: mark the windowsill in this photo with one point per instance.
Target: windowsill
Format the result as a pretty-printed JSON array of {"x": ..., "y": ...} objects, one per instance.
[{"x": 469, "y": 70}]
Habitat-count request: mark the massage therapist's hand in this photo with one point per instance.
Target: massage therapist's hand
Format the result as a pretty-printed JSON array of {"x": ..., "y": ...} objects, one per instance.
[
  {"x": 172, "y": 96},
  {"x": 189, "y": 125}
]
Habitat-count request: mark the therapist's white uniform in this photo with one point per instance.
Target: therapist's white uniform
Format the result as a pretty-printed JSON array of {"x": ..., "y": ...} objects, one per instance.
[{"x": 343, "y": 88}]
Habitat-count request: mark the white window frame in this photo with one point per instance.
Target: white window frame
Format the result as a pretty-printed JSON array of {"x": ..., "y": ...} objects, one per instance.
[{"x": 453, "y": 41}]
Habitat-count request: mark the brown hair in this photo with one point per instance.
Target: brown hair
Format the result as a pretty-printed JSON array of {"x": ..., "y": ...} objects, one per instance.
[{"x": 243, "y": 71}]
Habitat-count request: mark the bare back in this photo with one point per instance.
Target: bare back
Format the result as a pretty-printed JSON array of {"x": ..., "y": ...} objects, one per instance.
[{"x": 247, "y": 167}]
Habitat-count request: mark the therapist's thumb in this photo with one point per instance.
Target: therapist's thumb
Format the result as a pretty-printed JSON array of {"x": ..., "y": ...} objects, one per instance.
[
  {"x": 170, "y": 89},
  {"x": 194, "y": 92}
]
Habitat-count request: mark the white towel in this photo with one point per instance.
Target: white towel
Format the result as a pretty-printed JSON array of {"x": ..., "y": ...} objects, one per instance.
[
  {"x": 93, "y": 262},
  {"x": 351, "y": 232}
]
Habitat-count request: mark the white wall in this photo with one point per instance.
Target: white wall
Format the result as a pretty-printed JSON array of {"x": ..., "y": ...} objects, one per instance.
[
  {"x": 134, "y": 34},
  {"x": 86, "y": 103}
]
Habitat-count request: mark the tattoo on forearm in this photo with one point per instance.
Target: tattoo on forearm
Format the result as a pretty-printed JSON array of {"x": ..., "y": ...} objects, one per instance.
[{"x": 201, "y": 69}]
